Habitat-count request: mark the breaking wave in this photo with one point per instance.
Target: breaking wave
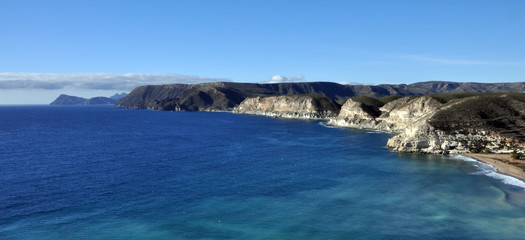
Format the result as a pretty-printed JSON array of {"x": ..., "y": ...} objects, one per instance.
[
  {"x": 326, "y": 125},
  {"x": 491, "y": 171}
]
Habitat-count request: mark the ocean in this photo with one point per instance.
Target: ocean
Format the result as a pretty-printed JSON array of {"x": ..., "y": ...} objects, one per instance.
[{"x": 97, "y": 172}]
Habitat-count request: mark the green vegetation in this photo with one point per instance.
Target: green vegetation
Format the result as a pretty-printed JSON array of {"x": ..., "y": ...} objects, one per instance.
[
  {"x": 447, "y": 97},
  {"x": 500, "y": 112},
  {"x": 516, "y": 155}
]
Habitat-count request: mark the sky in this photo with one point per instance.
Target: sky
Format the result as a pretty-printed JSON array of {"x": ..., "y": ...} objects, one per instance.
[{"x": 98, "y": 48}]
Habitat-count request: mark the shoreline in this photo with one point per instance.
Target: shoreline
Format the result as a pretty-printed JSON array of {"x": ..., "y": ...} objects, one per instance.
[{"x": 497, "y": 161}]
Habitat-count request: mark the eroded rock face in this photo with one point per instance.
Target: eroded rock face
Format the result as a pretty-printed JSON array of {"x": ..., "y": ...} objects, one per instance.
[
  {"x": 407, "y": 114},
  {"x": 396, "y": 116},
  {"x": 292, "y": 106},
  {"x": 355, "y": 115},
  {"x": 428, "y": 140},
  {"x": 409, "y": 117}
]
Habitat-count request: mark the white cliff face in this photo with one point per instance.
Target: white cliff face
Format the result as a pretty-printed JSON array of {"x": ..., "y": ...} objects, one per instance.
[
  {"x": 404, "y": 114},
  {"x": 353, "y": 115},
  {"x": 409, "y": 118},
  {"x": 302, "y": 107},
  {"x": 427, "y": 140},
  {"x": 407, "y": 114}
]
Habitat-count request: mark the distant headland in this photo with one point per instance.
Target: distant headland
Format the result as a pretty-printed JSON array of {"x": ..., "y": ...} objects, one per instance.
[{"x": 64, "y": 99}]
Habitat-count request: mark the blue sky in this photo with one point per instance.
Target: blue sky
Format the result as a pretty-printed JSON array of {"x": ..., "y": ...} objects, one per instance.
[{"x": 367, "y": 42}]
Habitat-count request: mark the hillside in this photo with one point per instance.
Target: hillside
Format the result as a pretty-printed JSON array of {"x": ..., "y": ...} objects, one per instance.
[
  {"x": 224, "y": 96},
  {"x": 442, "y": 123},
  {"x": 502, "y": 113}
]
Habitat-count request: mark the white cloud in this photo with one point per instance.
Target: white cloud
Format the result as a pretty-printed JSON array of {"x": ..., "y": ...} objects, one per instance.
[
  {"x": 350, "y": 83},
  {"x": 94, "y": 81},
  {"x": 284, "y": 79}
]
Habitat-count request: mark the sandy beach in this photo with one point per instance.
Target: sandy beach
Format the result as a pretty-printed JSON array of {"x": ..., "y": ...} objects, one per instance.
[{"x": 503, "y": 162}]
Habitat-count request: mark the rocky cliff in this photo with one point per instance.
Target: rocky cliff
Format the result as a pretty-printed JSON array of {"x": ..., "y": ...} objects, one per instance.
[
  {"x": 449, "y": 123},
  {"x": 393, "y": 116},
  {"x": 355, "y": 114},
  {"x": 291, "y": 106},
  {"x": 224, "y": 96}
]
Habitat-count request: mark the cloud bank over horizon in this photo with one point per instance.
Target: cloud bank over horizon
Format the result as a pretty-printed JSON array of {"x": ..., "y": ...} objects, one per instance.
[{"x": 94, "y": 81}]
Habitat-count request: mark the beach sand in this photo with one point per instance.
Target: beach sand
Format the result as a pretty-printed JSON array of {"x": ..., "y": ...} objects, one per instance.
[{"x": 503, "y": 162}]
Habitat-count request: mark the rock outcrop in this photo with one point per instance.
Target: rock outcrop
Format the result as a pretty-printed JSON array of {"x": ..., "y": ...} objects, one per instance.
[
  {"x": 444, "y": 123},
  {"x": 427, "y": 139},
  {"x": 407, "y": 114},
  {"x": 355, "y": 115},
  {"x": 291, "y": 106},
  {"x": 395, "y": 116}
]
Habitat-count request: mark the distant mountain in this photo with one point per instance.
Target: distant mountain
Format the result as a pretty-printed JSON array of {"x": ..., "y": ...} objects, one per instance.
[
  {"x": 100, "y": 100},
  {"x": 118, "y": 96},
  {"x": 435, "y": 87},
  {"x": 64, "y": 99},
  {"x": 222, "y": 96}
]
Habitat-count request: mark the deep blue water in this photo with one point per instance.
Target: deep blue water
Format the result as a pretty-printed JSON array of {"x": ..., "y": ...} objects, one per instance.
[{"x": 105, "y": 173}]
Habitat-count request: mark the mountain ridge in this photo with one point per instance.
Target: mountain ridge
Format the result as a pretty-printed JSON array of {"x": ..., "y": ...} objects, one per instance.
[{"x": 224, "y": 96}]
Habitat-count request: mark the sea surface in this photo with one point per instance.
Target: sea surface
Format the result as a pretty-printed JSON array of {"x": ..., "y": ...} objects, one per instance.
[{"x": 96, "y": 172}]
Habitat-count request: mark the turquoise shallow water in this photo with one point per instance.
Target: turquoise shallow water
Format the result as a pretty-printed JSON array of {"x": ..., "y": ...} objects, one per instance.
[{"x": 105, "y": 173}]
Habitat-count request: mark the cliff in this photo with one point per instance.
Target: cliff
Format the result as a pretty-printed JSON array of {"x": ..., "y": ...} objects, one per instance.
[
  {"x": 445, "y": 123},
  {"x": 355, "y": 114},
  {"x": 291, "y": 106},
  {"x": 224, "y": 96},
  {"x": 64, "y": 99}
]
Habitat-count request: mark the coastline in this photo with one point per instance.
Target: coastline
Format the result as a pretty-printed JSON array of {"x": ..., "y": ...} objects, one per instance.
[{"x": 501, "y": 162}]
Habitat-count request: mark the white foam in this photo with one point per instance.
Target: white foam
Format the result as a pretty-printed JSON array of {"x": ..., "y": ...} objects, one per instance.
[
  {"x": 466, "y": 159},
  {"x": 491, "y": 171},
  {"x": 325, "y": 125},
  {"x": 374, "y": 132}
]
